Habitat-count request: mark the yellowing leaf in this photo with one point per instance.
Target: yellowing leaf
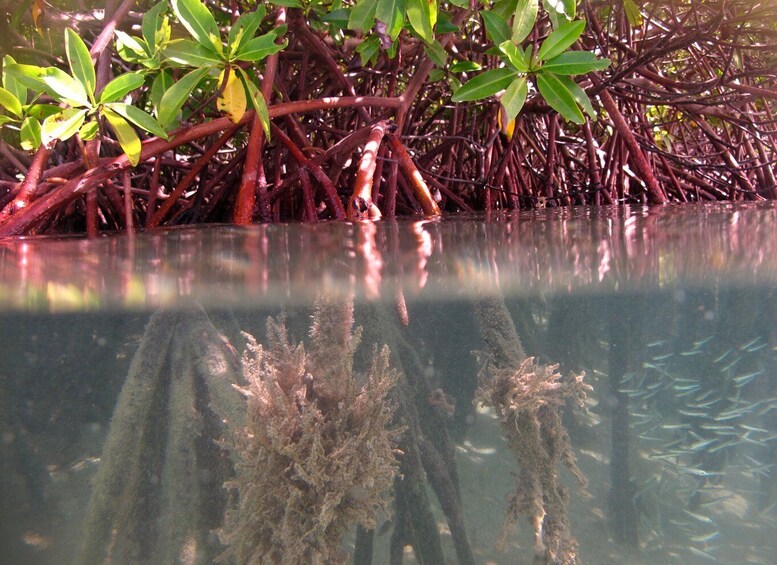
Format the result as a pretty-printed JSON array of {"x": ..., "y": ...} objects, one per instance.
[{"x": 233, "y": 99}]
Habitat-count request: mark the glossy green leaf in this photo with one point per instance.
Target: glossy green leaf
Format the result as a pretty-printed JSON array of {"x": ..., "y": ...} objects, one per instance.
[
  {"x": 5, "y": 119},
  {"x": 560, "y": 39},
  {"x": 30, "y": 134},
  {"x": 516, "y": 57},
  {"x": 126, "y": 135},
  {"x": 514, "y": 98},
  {"x": 62, "y": 125},
  {"x": 485, "y": 84},
  {"x": 338, "y": 18},
  {"x": 41, "y": 111},
  {"x": 28, "y": 76},
  {"x": 368, "y": 50},
  {"x": 525, "y": 17},
  {"x": 257, "y": 101},
  {"x": 422, "y": 14},
  {"x": 362, "y": 15},
  {"x": 445, "y": 24},
  {"x": 198, "y": 20},
  {"x": 575, "y": 63},
  {"x": 89, "y": 130},
  {"x": 175, "y": 97},
  {"x": 555, "y": 8},
  {"x": 80, "y": 61},
  {"x": 436, "y": 53},
  {"x": 119, "y": 87},
  {"x": 497, "y": 29},
  {"x": 244, "y": 30},
  {"x": 504, "y": 8},
  {"x": 131, "y": 49},
  {"x": 633, "y": 13},
  {"x": 64, "y": 88},
  {"x": 260, "y": 47},
  {"x": 391, "y": 13},
  {"x": 579, "y": 95},
  {"x": 138, "y": 117},
  {"x": 12, "y": 85},
  {"x": 152, "y": 21},
  {"x": 10, "y": 103},
  {"x": 162, "y": 82},
  {"x": 288, "y": 3},
  {"x": 559, "y": 97},
  {"x": 465, "y": 67},
  {"x": 190, "y": 53}
]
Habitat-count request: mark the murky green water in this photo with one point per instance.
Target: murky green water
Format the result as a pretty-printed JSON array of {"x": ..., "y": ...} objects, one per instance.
[{"x": 129, "y": 431}]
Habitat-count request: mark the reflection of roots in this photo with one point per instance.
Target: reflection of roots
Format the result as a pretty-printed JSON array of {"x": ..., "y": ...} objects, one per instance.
[
  {"x": 158, "y": 490},
  {"x": 528, "y": 399},
  {"x": 318, "y": 455}
]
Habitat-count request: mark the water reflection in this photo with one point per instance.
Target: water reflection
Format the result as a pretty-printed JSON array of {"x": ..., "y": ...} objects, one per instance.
[{"x": 557, "y": 250}]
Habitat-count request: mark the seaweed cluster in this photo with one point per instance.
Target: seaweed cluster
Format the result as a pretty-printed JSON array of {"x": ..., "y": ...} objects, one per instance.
[
  {"x": 528, "y": 398},
  {"x": 318, "y": 455}
]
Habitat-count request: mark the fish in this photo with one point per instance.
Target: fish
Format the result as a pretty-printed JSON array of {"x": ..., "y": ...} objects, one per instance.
[
  {"x": 700, "y": 553},
  {"x": 722, "y": 356},
  {"x": 704, "y": 538}
]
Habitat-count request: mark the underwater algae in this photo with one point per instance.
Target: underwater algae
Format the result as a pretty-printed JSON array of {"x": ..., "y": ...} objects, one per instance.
[
  {"x": 318, "y": 454},
  {"x": 527, "y": 397}
]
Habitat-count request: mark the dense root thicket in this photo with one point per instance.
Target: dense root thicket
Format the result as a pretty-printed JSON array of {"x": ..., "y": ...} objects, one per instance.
[{"x": 686, "y": 113}]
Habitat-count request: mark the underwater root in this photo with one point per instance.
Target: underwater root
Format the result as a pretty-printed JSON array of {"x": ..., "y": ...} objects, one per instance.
[
  {"x": 528, "y": 399},
  {"x": 318, "y": 452}
]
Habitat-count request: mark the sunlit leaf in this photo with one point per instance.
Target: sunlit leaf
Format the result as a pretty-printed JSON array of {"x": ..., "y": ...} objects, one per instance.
[
  {"x": 89, "y": 130},
  {"x": 560, "y": 39},
  {"x": 10, "y": 103},
  {"x": 63, "y": 125},
  {"x": 126, "y": 135},
  {"x": 41, "y": 111},
  {"x": 119, "y": 87},
  {"x": 485, "y": 84},
  {"x": 515, "y": 56},
  {"x": 131, "y": 49},
  {"x": 232, "y": 100},
  {"x": 80, "y": 61},
  {"x": 257, "y": 101},
  {"x": 497, "y": 29},
  {"x": 244, "y": 30},
  {"x": 465, "y": 66},
  {"x": 198, "y": 20},
  {"x": 260, "y": 47},
  {"x": 420, "y": 14},
  {"x": 139, "y": 118},
  {"x": 524, "y": 19},
  {"x": 152, "y": 21},
  {"x": 575, "y": 63},
  {"x": 63, "y": 87},
  {"x": 633, "y": 13},
  {"x": 17, "y": 89},
  {"x": 190, "y": 53},
  {"x": 30, "y": 134},
  {"x": 362, "y": 15},
  {"x": 514, "y": 98},
  {"x": 162, "y": 82},
  {"x": 559, "y": 97},
  {"x": 28, "y": 76},
  {"x": 391, "y": 13},
  {"x": 175, "y": 97}
]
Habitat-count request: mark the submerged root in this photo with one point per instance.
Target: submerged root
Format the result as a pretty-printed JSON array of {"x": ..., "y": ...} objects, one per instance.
[
  {"x": 318, "y": 451},
  {"x": 527, "y": 399}
]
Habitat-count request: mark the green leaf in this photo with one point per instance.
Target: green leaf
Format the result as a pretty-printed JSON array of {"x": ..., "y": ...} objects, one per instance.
[
  {"x": 566, "y": 8},
  {"x": 391, "y": 13},
  {"x": 244, "y": 30},
  {"x": 28, "y": 76},
  {"x": 152, "y": 21},
  {"x": 62, "y": 125},
  {"x": 257, "y": 101},
  {"x": 485, "y": 84},
  {"x": 175, "y": 97},
  {"x": 362, "y": 15},
  {"x": 504, "y": 8},
  {"x": 131, "y": 49},
  {"x": 633, "y": 13},
  {"x": 465, "y": 66},
  {"x": 445, "y": 25},
  {"x": 436, "y": 53},
  {"x": 30, "y": 134},
  {"x": 64, "y": 88},
  {"x": 80, "y": 61},
  {"x": 338, "y": 18},
  {"x": 559, "y": 40},
  {"x": 287, "y": 3},
  {"x": 575, "y": 63},
  {"x": 260, "y": 47},
  {"x": 579, "y": 94},
  {"x": 190, "y": 53},
  {"x": 514, "y": 98},
  {"x": 10, "y": 103},
  {"x": 368, "y": 50},
  {"x": 497, "y": 29},
  {"x": 162, "y": 82},
  {"x": 11, "y": 84},
  {"x": 41, "y": 111},
  {"x": 119, "y": 87},
  {"x": 138, "y": 117},
  {"x": 89, "y": 130},
  {"x": 422, "y": 14},
  {"x": 524, "y": 19},
  {"x": 559, "y": 97},
  {"x": 198, "y": 20},
  {"x": 128, "y": 138},
  {"x": 515, "y": 56}
]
